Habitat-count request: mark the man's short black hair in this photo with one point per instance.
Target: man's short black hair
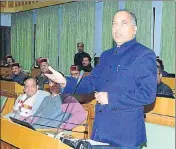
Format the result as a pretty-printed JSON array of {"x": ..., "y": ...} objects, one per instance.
[
  {"x": 160, "y": 63},
  {"x": 30, "y": 77},
  {"x": 89, "y": 58},
  {"x": 80, "y": 43}
]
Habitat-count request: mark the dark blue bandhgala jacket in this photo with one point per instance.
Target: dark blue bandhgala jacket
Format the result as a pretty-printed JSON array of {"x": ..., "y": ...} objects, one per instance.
[{"x": 128, "y": 73}]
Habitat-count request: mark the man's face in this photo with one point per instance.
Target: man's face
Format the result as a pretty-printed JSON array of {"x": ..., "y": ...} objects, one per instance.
[
  {"x": 30, "y": 87},
  {"x": 44, "y": 67},
  {"x": 80, "y": 48},
  {"x": 75, "y": 74},
  {"x": 123, "y": 29},
  {"x": 85, "y": 61},
  {"x": 16, "y": 70},
  {"x": 9, "y": 60},
  {"x": 54, "y": 87},
  {"x": 159, "y": 76}
]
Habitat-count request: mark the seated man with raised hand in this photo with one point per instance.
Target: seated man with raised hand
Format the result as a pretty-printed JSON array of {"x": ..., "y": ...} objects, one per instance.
[
  {"x": 58, "y": 111},
  {"x": 162, "y": 89},
  {"x": 28, "y": 103}
]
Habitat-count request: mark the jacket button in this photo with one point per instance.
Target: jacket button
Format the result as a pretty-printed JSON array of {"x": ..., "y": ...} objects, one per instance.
[
  {"x": 106, "y": 81},
  {"x": 110, "y": 66},
  {"x": 114, "y": 109},
  {"x": 100, "y": 111}
]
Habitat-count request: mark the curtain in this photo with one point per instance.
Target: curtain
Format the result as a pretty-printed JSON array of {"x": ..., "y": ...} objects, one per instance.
[
  {"x": 109, "y": 9},
  {"x": 22, "y": 38},
  {"x": 78, "y": 21},
  {"x": 143, "y": 11},
  {"x": 46, "y": 43},
  {"x": 168, "y": 36}
]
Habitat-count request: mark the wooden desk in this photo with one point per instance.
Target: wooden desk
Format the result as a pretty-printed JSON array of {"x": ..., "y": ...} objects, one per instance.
[
  {"x": 11, "y": 87},
  {"x": 170, "y": 82},
  {"x": 162, "y": 112},
  {"x": 9, "y": 103},
  {"x": 25, "y": 138},
  {"x": 5, "y": 70}
]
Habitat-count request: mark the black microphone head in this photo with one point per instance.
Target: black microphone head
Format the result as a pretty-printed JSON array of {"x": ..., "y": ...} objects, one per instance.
[{"x": 82, "y": 144}]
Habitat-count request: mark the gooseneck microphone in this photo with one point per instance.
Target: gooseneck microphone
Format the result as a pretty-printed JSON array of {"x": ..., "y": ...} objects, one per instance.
[{"x": 79, "y": 80}]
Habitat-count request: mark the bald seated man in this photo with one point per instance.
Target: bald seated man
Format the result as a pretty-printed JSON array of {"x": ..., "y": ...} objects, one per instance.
[{"x": 124, "y": 82}]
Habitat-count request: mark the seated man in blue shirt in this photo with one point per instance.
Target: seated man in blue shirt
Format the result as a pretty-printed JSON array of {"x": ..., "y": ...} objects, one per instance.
[{"x": 17, "y": 74}]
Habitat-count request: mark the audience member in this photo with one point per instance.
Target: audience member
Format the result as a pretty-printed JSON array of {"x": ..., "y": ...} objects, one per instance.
[
  {"x": 28, "y": 103},
  {"x": 9, "y": 60},
  {"x": 162, "y": 89},
  {"x": 42, "y": 79},
  {"x": 86, "y": 64},
  {"x": 17, "y": 74},
  {"x": 59, "y": 111},
  {"x": 161, "y": 65},
  {"x": 79, "y": 56},
  {"x": 74, "y": 71}
]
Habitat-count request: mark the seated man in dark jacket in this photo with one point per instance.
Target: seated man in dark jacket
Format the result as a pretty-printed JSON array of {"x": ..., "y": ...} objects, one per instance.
[
  {"x": 162, "y": 89},
  {"x": 86, "y": 64}
]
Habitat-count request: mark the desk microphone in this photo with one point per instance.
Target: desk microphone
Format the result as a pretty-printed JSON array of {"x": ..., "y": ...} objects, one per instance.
[
  {"x": 80, "y": 77},
  {"x": 93, "y": 57},
  {"x": 77, "y": 144}
]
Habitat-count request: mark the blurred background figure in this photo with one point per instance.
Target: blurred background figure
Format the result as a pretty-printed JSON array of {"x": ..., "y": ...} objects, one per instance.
[
  {"x": 161, "y": 65},
  {"x": 74, "y": 71},
  {"x": 79, "y": 56},
  {"x": 8, "y": 60},
  {"x": 162, "y": 89},
  {"x": 86, "y": 64}
]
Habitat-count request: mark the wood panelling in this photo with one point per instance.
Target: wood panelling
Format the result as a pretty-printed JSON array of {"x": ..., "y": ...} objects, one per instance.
[{"x": 17, "y": 6}]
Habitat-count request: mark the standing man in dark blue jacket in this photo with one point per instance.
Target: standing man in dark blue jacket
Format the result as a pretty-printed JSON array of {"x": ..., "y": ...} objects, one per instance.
[{"x": 124, "y": 81}]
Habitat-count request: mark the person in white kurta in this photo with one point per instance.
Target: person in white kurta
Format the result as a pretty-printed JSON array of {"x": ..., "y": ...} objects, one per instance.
[{"x": 28, "y": 103}]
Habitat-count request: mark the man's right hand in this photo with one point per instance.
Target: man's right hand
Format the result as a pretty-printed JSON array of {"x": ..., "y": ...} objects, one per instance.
[{"x": 56, "y": 76}]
